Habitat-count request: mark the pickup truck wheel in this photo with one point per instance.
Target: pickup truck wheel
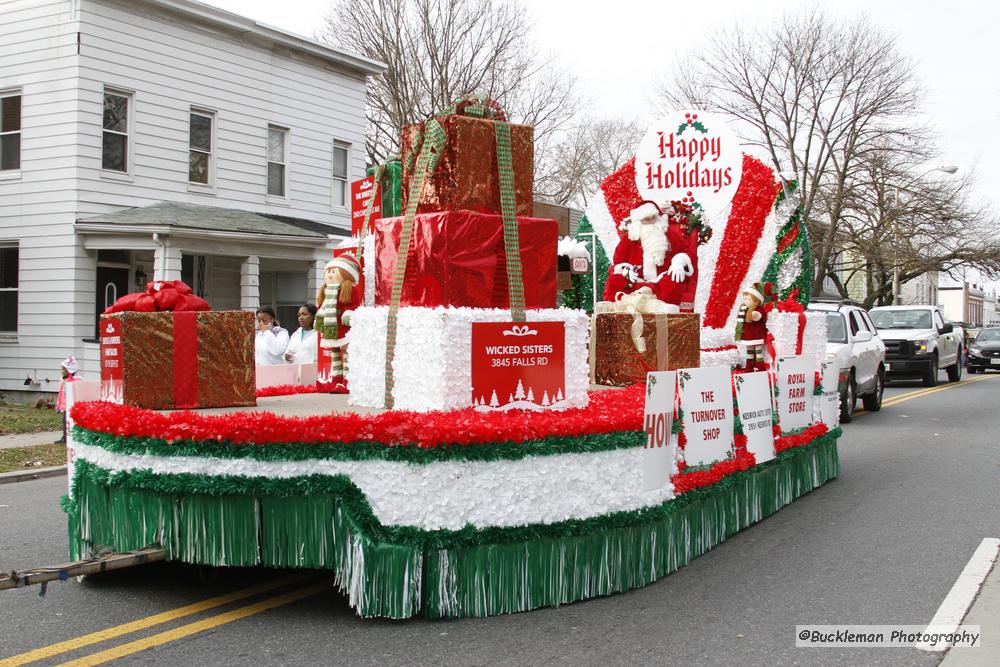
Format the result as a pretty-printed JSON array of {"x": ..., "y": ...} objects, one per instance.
[
  {"x": 848, "y": 400},
  {"x": 955, "y": 370},
  {"x": 873, "y": 401},
  {"x": 931, "y": 374}
]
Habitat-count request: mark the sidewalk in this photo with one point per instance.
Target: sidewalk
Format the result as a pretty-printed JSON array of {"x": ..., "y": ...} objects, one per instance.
[
  {"x": 985, "y": 612},
  {"x": 29, "y": 439}
]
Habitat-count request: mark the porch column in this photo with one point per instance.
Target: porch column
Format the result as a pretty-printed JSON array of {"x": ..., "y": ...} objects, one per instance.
[
  {"x": 250, "y": 283},
  {"x": 166, "y": 261},
  {"x": 315, "y": 279}
]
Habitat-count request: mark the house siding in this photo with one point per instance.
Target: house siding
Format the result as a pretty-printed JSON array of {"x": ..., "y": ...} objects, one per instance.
[{"x": 170, "y": 62}]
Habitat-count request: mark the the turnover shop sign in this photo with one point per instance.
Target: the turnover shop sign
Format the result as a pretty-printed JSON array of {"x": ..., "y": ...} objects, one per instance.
[
  {"x": 518, "y": 365},
  {"x": 658, "y": 460},
  {"x": 112, "y": 360},
  {"x": 689, "y": 156},
  {"x": 361, "y": 193},
  {"x": 706, "y": 400}
]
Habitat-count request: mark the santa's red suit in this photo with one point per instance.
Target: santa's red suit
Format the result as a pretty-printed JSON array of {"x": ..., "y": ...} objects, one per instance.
[{"x": 638, "y": 262}]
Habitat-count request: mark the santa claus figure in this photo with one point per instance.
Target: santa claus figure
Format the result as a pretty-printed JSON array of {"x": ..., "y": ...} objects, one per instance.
[
  {"x": 338, "y": 297},
  {"x": 658, "y": 250}
]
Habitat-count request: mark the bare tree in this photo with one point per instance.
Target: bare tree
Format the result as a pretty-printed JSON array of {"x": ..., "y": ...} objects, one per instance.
[
  {"x": 576, "y": 163},
  {"x": 436, "y": 51},
  {"x": 897, "y": 225},
  {"x": 813, "y": 93}
]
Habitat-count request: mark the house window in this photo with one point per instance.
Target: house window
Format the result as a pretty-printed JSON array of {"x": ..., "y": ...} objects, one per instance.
[
  {"x": 200, "y": 147},
  {"x": 10, "y": 131},
  {"x": 8, "y": 288},
  {"x": 277, "y": 160},
  {"x": 114, "y": 149},
  {"x": 341, "y": 153},
  {"x": 285, "y": 292}
]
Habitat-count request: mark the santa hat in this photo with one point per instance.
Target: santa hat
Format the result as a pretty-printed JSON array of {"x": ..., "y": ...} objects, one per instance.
[
  {"x": 644, "y": 210},
  {"x": 756, "y": 291},
  {"x": 347, "y": 263},
  {"x": 70, "y": 364}
]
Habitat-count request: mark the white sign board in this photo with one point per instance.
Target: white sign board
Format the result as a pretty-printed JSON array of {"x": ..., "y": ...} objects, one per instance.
[
  {"x": 829, "y": 401},
  {"x": 796, "y": 379},
  {"x": 689, "y": 156},
  {"x": 658, "y": 456},
  {"x": 706, "y": 400},
  {"x": 753, "y": 400}
]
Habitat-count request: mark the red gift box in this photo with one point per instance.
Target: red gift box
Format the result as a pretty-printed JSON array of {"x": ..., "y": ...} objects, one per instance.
[
  {"x": 178, "y": 359},
  {"x": 457, "y": 258},
  {"x": 467, "y": 176}
]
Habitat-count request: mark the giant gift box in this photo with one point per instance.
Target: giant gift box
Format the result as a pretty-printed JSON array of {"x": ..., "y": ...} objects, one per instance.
[
  {"x": 457, "y": 258},
  {"x": 672, "y": 341},
  {"x": 467, "y": 176},
  {"x": 178, "y": 359}
]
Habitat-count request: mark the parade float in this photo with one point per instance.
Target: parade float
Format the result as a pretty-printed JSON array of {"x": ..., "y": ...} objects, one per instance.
[{"x": 495, "y": 453}]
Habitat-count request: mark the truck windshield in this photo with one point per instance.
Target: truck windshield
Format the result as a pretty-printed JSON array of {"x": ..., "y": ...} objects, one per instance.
[
  {"x": 901, "y": 319},
  {"x": 836, "y": 328}
]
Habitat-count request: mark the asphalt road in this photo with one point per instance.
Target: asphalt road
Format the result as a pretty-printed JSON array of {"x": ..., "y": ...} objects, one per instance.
[{"x": 883, "y": 544}]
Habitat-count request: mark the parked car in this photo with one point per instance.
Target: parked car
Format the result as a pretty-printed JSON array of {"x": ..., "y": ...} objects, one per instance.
[
  {"x": 984, "y": 353},
  {"x": 919, "y": 343},
  {"x": 852, "y": 338}
]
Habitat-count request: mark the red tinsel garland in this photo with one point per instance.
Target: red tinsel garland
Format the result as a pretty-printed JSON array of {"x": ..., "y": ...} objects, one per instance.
[
  {"x": 751, "y": 205},
  {"x": 287, "y": 390},
  {"x": 609, "y": 411},
  {"x": 743, "y": 460}
]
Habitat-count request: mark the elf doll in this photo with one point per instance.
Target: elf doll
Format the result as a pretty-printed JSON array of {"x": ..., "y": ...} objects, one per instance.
[
  {"x": 751, "y": 327},
  {"x": 338, "y": 297}
]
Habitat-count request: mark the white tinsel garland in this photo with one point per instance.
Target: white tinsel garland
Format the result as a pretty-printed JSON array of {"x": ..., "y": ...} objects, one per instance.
[
  {"x": 449, "y": 494},
  {"x": 784, "y": 327},
  {"x": 571, "y": 247},
  {"x": 432, "y": 366}
]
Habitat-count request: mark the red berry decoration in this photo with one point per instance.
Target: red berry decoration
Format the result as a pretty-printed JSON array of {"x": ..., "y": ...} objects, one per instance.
[{"x": 694, "y": 117}]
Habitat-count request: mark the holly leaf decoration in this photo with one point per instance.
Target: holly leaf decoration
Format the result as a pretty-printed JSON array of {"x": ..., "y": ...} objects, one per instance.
[
  {"x": 698, "y": 126},
  {"x": 680, "y": 130}
]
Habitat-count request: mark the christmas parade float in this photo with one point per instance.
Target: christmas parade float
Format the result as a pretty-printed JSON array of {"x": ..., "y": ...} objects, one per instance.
[{"x": 495, "y": 453}]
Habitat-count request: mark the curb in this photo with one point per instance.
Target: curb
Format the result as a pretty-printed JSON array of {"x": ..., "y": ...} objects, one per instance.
[{"x": 28, "y": 475}]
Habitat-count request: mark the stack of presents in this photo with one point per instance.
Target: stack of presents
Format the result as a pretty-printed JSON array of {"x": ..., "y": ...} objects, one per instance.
[{"x": 462, "y": 197}]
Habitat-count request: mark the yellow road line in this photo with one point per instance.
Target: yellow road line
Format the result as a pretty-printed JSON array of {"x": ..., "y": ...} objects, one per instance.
[
  {"x": 919, "y": 393},
  {"x": 931, "y": 390},
  {"x": 149, "y": 621},
  {"x": 198, "y": 626}
]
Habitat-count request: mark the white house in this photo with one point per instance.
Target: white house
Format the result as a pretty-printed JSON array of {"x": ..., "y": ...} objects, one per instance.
[{"x": 162, "y": 139}]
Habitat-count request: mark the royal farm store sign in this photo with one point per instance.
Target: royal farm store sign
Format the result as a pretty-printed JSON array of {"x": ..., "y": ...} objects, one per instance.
[
  {"x": 689, "y": 154},
  {"x": 518, "y": 365}
]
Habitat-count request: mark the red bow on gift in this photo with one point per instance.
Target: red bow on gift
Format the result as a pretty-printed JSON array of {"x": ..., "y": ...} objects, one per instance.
[{"x": 164, "y": 295}]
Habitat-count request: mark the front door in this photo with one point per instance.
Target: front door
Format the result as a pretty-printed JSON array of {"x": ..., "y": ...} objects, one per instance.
[{"x": 112, "y": 283}]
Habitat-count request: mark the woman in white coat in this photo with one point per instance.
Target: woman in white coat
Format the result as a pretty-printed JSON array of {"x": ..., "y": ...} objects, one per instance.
[
  {"x": 302, "y": 344},
  {"x": 271, "y": 339}
]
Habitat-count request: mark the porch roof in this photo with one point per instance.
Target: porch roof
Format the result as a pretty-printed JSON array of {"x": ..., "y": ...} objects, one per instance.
[{"x": 179, "y": 217}]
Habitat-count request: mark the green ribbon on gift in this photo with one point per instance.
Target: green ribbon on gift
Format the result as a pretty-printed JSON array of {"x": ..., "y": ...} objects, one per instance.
[{"x": 425, "y": 152}]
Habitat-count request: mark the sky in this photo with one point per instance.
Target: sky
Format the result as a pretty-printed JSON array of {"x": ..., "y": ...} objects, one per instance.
[{"x": 618, "y": 55}]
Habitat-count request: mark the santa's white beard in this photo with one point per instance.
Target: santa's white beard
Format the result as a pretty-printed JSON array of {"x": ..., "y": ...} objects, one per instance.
[{"x": 653, "y": 238}]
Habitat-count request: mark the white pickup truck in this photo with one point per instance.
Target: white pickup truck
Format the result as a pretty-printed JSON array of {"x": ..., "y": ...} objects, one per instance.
[{"x": 918, "y": 342}]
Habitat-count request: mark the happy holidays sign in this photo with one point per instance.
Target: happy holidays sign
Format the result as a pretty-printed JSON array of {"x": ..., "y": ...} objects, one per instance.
[{"x": 690, "y": 154}]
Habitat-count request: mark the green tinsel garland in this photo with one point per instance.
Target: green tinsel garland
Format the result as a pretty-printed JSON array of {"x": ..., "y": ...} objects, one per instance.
[
  {"x": 802, "y": 282},
  {"x": 326, "y": 522},
  {"x": 364, "y": 451},
  {"x": 581, "y": 295}
]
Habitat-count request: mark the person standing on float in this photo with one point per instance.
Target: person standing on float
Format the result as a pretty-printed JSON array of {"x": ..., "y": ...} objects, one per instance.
[
  {"x": 302, "y": 343},
  {"x": 271, "y": 340}
]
